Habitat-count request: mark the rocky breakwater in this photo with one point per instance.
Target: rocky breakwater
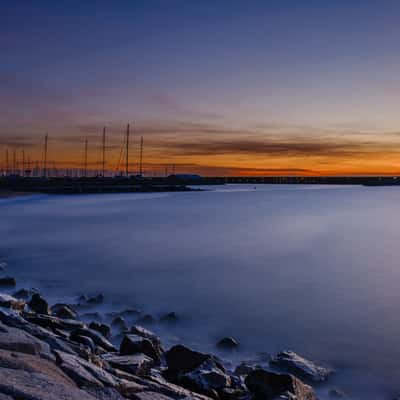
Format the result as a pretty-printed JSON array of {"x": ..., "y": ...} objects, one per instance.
[{"x": 53, "y": 352}]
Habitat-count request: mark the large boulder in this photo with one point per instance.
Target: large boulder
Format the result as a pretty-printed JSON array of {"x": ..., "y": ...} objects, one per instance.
[
  {"x": 291, "y": 362},
  {"x": 137, "y": 364},
  {"x": 206, "y": 378},
  {"x": 180, "y": 360},
  {"x": 38, "y": 304},
  {"x": 134, "y": 344},
  {"x": 265, "y": 385}
]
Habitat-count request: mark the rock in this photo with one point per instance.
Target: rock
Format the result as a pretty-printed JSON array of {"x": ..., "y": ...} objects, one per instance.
[
  {"x": 119, "y": 322},
  {"x": 97, "y": 299},
  {"x": 64, "y": 311},
  {"x": 265, "y": 385},
  {"x": 289, "y": 361},
  {"x": 13, "y": 339},
  {"x": 23, "y": 294},
  {"x": 170, "y": 317},
  {"x": 51, "y": 322},
  {"x": 134, "y": 344},
  {"x": 13, "y": 319},
  {"x": 97, "y": 338},
  {"x": 101, "y": 328},
  {"x": 206, "y": 377},
  {"x": 243, "y": 369},
  {"x": 150, "y": 396},
  {"x": 82, "y": 372},
  {"x": 7, "y": 281},
  {"x": 38, "y": 304},
  {"x": 143, "y": 332},
  {"x": 11, "y": 302},
  {"x": 181, "y": 359},
  {"x": 3, "y": 266},
  {"x": 28, "y": 377},
  {"x": 137, "y": 364},
  {"x": 146, "y": 319},
  {"x": 86, "y": 341},
  {"x": 228, "y": 343},
  {"x": 157, "y": 384}
]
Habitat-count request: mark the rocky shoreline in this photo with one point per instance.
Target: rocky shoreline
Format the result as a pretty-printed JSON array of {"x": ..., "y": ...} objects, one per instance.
[{"x": 67, "y": 351}]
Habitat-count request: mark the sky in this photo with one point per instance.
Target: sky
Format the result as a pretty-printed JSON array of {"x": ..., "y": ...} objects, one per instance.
[{"x": 280, "y": 87}]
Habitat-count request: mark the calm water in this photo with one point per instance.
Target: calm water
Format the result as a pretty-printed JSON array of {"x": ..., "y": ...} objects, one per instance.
[{"x": 310, "y": 268}]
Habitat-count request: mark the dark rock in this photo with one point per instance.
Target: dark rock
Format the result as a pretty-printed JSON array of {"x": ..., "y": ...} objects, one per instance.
[
  {"x": 23, "y": 294},
  {"x": 65, "y": 311},
  {"x": 137, "y": 364},
  {"x": 265, "y": 385},
  {"x": 181, "y": 359},
  {"x": 289, "y": 361},
  {"x": 7, "y": 281},
  {"x": 170, "y": 317},
  {"x": 86, "y": 341},
  {"x": 11, "y": 302},
  {"x": 206, "y": 377},
  {"x": 101, "y": 328},
  {"x": 243, "y": 369},
  {"x": 97, "y": 338},
  {"x": 38, "y": 304},
  {"x": 228, "y": 343},
  {"x": 119, "y": 322},
  {"x": 98, "y": 299},
  {"x": 134, "y": 344},
  {"x": 233, "y": 394},
  {"x": 143, "y": 332},
  {"x": 146, "y": 319}
]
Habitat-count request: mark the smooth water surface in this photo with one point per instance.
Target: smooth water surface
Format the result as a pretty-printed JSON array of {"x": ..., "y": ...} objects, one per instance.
[{"x": 310, "y": 268}]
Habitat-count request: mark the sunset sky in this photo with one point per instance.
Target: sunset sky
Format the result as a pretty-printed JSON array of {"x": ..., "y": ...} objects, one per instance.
[{"x": 216, "y": 87}]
